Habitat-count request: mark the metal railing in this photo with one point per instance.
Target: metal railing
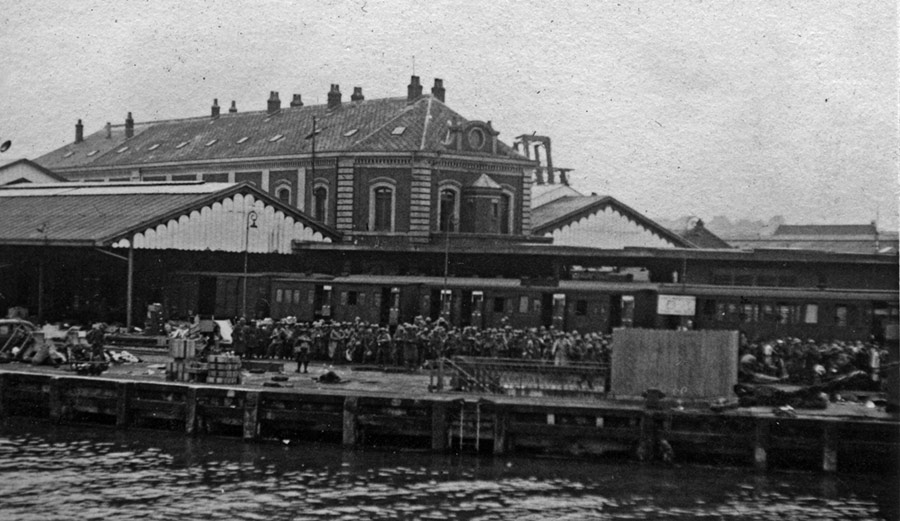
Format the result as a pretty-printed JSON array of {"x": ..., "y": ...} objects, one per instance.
[{"x": 516, "y": 377}]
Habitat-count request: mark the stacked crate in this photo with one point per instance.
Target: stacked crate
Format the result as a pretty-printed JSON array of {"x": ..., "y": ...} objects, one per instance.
[
  {"x": 224, "y": 369},
  {"x": 184, "y": 367}
]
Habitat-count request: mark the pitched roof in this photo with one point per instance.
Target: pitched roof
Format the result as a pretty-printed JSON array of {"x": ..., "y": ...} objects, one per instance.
[
  {"x": 565, "y": 210},
  {"x": 701, "y": 237},
  {"x": 88, "y": 214},
  {"x": 485, "y": 181},
  {"x": 32, "y": 164},
  {"x": 379, "y": 125},
  {"x": 826, "y": 229}
]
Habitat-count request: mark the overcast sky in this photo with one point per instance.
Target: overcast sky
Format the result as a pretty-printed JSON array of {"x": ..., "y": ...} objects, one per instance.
[{"x": 746, "y": 109}]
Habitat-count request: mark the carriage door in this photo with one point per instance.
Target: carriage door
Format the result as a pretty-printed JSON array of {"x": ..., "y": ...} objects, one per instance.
[
  {"x": 390, "y": 306},
  {"x": 477, "y": 309},
  {"x": 546, "y": 309},
  {"x": 322, "y": 304},
  {"x": 446, "y": 304},
  {"x": 559, "y": 311}
]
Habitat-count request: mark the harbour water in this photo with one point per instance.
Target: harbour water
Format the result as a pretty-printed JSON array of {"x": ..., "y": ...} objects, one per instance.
[{"x": 69, "y": 472}]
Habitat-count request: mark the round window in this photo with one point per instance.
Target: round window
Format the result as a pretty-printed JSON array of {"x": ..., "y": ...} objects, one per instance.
[{"x": 476, "y": 138}]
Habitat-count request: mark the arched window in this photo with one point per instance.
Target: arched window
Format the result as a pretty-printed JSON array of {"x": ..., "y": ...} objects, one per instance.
[
  {"x": 320, "y": 203},
  {"x": 382, "y": 204},
  {"x": 448, "y": 208},
  {"x": 283, "y": 194},
  {"x": 507, "y": 212}
]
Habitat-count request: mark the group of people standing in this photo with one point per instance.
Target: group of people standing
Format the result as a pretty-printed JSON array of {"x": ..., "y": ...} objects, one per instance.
[{"x": 409, "y": 344}]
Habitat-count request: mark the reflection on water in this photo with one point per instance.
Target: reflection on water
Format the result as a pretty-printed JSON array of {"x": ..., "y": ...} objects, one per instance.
[{"x": 49, "y": 472}]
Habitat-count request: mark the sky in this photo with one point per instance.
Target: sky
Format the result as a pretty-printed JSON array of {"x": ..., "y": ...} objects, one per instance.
[{"x": 690, "y": 107}]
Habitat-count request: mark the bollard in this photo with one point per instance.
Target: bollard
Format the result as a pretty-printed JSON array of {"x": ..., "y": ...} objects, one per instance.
[
  {"x": 349, "y": 432},
  {"x": 438, "y": 426},
  {"x": 251, "y": 415}
]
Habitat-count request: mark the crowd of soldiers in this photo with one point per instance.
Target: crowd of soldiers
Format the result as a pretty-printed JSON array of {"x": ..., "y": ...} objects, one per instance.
[
  {"x": 795, "y": 361},
  {"x": 410, "y": 344}
]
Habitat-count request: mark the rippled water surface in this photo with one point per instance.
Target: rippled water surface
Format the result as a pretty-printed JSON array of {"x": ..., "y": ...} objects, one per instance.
[{"x": 49, "y": 472}]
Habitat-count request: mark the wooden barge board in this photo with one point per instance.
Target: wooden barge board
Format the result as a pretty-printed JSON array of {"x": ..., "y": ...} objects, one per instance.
[{"x": 445, "y": 421}]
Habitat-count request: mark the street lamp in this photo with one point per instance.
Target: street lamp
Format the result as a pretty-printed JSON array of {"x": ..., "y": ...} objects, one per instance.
[{"x": 251, "y": 223}]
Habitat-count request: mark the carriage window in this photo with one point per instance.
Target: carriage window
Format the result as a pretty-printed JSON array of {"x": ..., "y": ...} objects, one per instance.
[
  {"x": 499, "y": 304},
  {"x": 523, "y": 304},
  {"x": 840, "y": 316},
  {"x": 279, "y": 295},
  {"x": 351, "y": 298},
  {"x": 581, "y": 307},
  {"x": 536, "y": 305},
  {"x": 296, "y": 296},
  {"x": 812, "y": 314}
]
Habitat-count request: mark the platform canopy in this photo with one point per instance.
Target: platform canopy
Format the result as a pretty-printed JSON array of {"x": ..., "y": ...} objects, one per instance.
[{"x": 187, "y": 216}]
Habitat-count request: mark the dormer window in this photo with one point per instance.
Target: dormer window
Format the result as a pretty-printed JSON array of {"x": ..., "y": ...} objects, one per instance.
[
  {"x": 276, "y": 137},
  {"x": 182, "y": 144},
  {"x": 242, "y": 140},
  {"x": 92, "y": 152},
  {"x": 351, "y": 132},
  {"x": 398, "y": 131},
  {"x": 211, "y": 142},
  {"x": 70, "y": 153},
  {"x": 153, "y": 147},
  {"x": 123, "y": 149}
]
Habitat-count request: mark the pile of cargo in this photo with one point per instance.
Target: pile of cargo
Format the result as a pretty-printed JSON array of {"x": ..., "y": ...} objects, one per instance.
[
  {"x": 223, "y": 369},
  {"x": 187, "y": 366}
]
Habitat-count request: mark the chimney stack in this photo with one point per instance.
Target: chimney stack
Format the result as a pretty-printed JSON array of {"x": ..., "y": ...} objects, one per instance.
[
  {"x": 296, "y": 101},
  {"x": 108, "y": 130},
  {"x": 357, "y": 94},
  {"x": 414, "y": 89},
  {"x": 274, "y": 103},
  {"x": 129, "y": 127},
  {"x": 438, "y": 90},
  {"x": 215, "y": 109},
  {"x": 334, "y": 96},
  {"x": 233, "y": 109},
  {"x": 79, "y": 132}
]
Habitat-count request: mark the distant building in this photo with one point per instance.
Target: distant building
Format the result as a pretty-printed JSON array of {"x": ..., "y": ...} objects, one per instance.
[
  {"x": 25, "y": 171},
  {"x": 696, "y": 232},
  {"x": 837, "y": 238}
]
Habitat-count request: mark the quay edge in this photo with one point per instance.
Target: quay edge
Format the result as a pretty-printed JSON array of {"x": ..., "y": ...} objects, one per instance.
[{"x": 462, "y": 423}]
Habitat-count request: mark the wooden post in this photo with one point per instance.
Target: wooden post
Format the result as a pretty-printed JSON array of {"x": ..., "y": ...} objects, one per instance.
[
  {"x": 129, "y": 292},
  {"x": 761, "y": 445},
  {"x": 438, "y": 426},
  {"x": 350, "y": 406},
  {"x": 123, "y": 401},
  {"x": 501, "y": 425},
  {"x": 190, "y": 411},
  {"x": 829, "y": 448},
  {"x": 251, "y": 415},
  {"x": 55, "y": 400},
  {"x": 2, "y": 395}
]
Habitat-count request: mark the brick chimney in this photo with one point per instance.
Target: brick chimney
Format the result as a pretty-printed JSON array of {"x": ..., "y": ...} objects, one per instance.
[
  {"x": 438, "y": 90},
  {"x": 233, "y": 109},
  {"x": 334, "y": 96},
  {"x": 296, "y": 101},
  {"x": 274, "y": 103},
  {"x": 79, "y": 132},
  {"x": 414, "y": 89},
  {"x": 215, "y": 109},
  {"x": 129, "y": 127},
  {"x": 357, "y": 94}
]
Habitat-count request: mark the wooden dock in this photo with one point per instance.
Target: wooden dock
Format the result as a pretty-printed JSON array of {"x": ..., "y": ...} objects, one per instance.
[{"x": 827, "y": 440}]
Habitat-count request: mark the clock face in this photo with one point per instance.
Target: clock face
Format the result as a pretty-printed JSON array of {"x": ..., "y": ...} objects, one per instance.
[{"x": 476, "y": 138}]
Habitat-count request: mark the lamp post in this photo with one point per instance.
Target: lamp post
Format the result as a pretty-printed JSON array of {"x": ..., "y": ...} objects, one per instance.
[{"x": 251, "y": 223}]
